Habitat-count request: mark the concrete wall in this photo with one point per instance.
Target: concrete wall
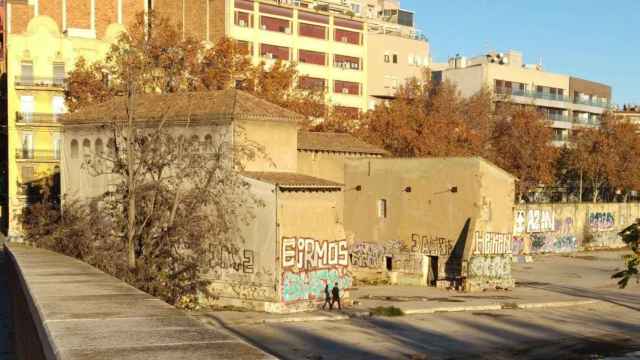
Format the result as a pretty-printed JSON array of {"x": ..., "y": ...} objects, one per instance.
[
  {"x": 63, "y": 308},
  {"x": 244, "y": 274},
  {"x": 314, "y": 251},
  {"x": 327, "y": 165},
  {"x": 429, "y": 233},
  {"x": 558, "y": 228},
  {"x": 280, "y": 142},
  {"x": 469, "y": 80},
  {"x": 385, "y": 77}
]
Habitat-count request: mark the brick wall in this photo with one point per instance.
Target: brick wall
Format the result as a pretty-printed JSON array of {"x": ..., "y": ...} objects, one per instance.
[
  {"x": 131, "y": 8},
  {"x": 216, "y": 20},
  {"x": 196, "y": 15},
  {"x": 106, "y": 14},
  {"x": 52, "y": 8},
  {"x": 20, "y": 16},
  {"x": 79, "y": 14}
]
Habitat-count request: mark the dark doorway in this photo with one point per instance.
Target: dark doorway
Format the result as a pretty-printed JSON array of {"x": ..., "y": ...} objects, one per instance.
[
  {"x": 432, "y": 276},
  {"x": 389, "y": 263}
]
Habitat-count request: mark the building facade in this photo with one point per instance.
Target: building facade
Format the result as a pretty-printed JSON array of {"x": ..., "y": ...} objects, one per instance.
[
  {"x": 44, "y": 41},
  {"x": 568, "y": 102},
  {"x": 629, "y": 113}
]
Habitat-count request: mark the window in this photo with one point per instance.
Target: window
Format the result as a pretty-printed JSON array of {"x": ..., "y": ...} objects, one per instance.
[
  {"x": 382, "y": 208},
  {"x": 243, "y": 19},
  {"x": 395, "y": 58},
  {"x": 275, "y": 24},
  {"x": 244, "y": 4},
  {"x": 346, "y": 87},
  {"x": 99, "y": 147},
  {"x": 311, "y": 83},
  {"x": 27, "y": 146},
  {"x": 312, "y": 57},
  {"x": 276, "y": 10},
  {"x": 26, "y": 74},
  {"x": 86, "y": 147},
  {"x": 346, "y": 62},
  {"x": 274, "y": 52},
  {"x": 313, "y": 31},
  {"x": 58, "y": 74},
  {"x": 387, "y": 58},
  {"x": 74, "y": 149},
  {"x": 244, "y": 47},
  {"x": 346, "y": 36},
  {"x": 27, "y": 107},
  {"x": 347, "y": 111},
  {"x": 355, "y": 8},
  {"x": 58, "y": 106},
  {"x": 57, "y": 147}
]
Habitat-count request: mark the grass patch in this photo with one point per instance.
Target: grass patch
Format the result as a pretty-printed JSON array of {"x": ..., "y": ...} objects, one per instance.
[{"x": 387, "y": 311}]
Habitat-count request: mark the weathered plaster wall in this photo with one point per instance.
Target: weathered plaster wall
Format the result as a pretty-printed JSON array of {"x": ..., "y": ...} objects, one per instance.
[
  {"x": 313, "y": 249},
  {"x": 428, "y": 235},
  {"x": 244, "y": 274},
  {"x": 279, "y": 140},
  {"x": 557, "y": 228}
]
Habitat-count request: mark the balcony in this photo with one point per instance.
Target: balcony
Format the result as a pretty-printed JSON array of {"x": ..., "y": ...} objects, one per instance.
[
  {"x": 40, "y": 82},
  {"x": 532, "y": 94},
  {"x": 590, "y": 102},
  {"x": 37, "y": 118},
  {"x": 37, "y": 155},
  {"x": 556, "y": 117}
]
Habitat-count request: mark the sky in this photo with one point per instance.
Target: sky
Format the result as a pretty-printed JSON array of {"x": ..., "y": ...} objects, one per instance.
[{"x": 593, "y": 40}]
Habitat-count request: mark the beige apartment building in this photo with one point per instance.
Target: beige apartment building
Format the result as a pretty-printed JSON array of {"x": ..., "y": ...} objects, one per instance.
[
  {"x": 359, "y": 51},
  {"x": 568, "y": 102},
  {"x": 44, "y": 39},
  {"x": 629, "y": 113}
]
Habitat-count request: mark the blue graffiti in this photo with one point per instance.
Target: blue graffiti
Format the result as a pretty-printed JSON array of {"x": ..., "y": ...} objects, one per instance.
[{"x": 310, "y": 285}]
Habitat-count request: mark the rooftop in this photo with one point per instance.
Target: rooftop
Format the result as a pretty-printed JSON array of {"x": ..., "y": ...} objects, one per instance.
[
  {"x": 292, "y": 180},
  {"x": 336, "y": 142},
  {"x": 221, "y": 106}
]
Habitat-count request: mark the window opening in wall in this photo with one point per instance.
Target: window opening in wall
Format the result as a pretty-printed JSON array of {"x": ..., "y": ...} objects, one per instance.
[
  {"x": 387, "y": 58},
  {"x": 382, "y": 208},
  {"x": 26, "y": 73},
  {"x": 389, "y": 260},
  {"x": 395, "y": 58},
  {"x": 27, "y": 146},
  {"x": 432, "y": 276},
  {"x": 74, "y": 149},
  {"x": 58, "y": 74}
]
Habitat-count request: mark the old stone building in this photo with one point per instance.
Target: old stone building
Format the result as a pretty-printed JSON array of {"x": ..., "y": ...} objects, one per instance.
[
  {"x": 296, "y": 244},
  {"x": 442, "y": 222}
]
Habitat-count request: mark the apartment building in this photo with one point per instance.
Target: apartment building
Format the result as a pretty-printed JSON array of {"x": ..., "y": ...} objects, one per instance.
[
  {"x": 568, "y": 102},
  {"x": 329, "y": 45},
  {"x": 45, "y": 38},
  {"x": 396, "y": 49},
  {"x": 629, "y": 113}
]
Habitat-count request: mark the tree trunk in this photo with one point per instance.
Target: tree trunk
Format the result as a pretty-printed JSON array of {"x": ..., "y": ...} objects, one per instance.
[
  {"x": 131, "y": 208},
  {"x": 580, "y": 190}
]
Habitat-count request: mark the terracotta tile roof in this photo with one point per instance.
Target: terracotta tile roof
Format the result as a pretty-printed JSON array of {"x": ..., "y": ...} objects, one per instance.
[
  {"x": 223, "y": 105},
  {"x": 335, "y": 142},
  {"x": 291, "y": 180}
]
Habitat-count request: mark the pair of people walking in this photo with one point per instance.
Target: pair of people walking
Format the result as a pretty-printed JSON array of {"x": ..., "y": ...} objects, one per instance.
[{"x": 331, "y": 298}]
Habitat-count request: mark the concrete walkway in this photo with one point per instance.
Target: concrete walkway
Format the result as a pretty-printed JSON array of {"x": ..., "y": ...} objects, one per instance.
[
  {"x": 83, "y": 313},
  {"x": 5, "y": 350}
]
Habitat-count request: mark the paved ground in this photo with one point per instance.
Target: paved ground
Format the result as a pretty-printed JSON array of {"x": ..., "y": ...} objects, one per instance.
[
  {"x": 5, "y": 353},
  {"x": 606, "y": 328}
]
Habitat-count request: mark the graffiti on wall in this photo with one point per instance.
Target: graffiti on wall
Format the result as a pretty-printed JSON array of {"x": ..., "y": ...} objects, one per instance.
[
  {"x": 305, "y": 253},
  {"x": 225, "y": 258},
  {"x": 519, "y": 222},
  {"x": 310, "y": 285},
  {"x": 558, "y": 243},
  {"x": 490, "y": 243},
  {"x": 601, "y": 221},
  {"x": 431, "y": 245},
  {"x": 309, "y": 265},
  {"x": 367, "y": 255},
  {"x": 408, "y": 263},
  {"x": 490, "y": 266},
  {"x": 519, "y": 245},
  {"x": 540, "y": 220}
]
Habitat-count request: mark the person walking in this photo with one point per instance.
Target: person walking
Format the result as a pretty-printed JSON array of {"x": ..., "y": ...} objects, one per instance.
[
  {"x": 335, "y": 293},
  {"x": 327, "y": 298}
]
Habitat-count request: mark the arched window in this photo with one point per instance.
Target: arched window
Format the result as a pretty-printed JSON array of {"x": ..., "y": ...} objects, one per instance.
[
  {"x": 74, "y": 149},
  {"x": 111, "y": 147},
  {"x": 98, "y": 146},
  {"x": 395, "y": 58},
  {"x": 208, "y": 141},
  {"x": 86, "y": 147}
]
